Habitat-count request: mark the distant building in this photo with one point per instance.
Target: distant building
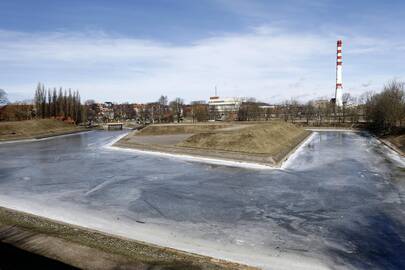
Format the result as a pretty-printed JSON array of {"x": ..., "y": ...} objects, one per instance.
[
  {"x": 153, "y": 112},
  {"x": 322, "y": 103},
  {"x": 106, "y": 111},
  {"x": 265, "y": 106},
  {"x": 108, "y": 104},
  {"x": 223, "y": 108}
]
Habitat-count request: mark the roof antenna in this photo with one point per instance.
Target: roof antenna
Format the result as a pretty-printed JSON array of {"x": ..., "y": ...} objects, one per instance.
[{"x": 216, "y": 92}]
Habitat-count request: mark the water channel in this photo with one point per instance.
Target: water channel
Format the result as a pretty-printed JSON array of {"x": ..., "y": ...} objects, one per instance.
[{"x": 338, "y": 203}]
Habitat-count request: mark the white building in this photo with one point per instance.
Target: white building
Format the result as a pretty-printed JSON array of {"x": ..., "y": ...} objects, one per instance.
[{"x": 221, "y": 108}]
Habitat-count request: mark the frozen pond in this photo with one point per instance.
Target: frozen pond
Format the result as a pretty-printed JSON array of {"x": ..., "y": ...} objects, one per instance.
[{"x": 339, "y": 203}]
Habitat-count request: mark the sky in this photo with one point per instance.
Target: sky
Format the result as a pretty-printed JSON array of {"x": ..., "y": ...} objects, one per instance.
[{"x": 135, "y": 51}]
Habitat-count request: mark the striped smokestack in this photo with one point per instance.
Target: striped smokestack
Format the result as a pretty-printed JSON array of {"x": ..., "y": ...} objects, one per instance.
[{"x": 339, "y": 81}]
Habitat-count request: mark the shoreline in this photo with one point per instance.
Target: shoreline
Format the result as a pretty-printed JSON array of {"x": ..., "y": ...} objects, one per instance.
[
  {"x": 45, "y": 137},
  {"x": 294, "y": 152},
  {"x": 134, "y": 242},
  {"x": 357, "y": 130},
  {"x": 326, "y": 129},
  {"x": 40, "y": 235},
  {"x": 392, "y": 146},
  {"x": 199, "y": 159},
  {"x": 225, "y": 158},
  {"x": 282, "y": 164}
]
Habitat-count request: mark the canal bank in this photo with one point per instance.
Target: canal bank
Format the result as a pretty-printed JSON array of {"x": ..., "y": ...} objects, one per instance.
[
  {"x": 262, "y": 146},
  {"x": 79, "y": 247},
  {"x": 13, "y": 258},
  {"x": 36, "y": 129}
]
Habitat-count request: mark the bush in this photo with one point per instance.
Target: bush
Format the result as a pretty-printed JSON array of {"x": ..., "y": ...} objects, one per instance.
[{"x": 386, "y": 110}]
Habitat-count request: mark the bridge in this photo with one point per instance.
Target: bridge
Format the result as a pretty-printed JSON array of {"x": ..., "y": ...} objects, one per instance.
[{"x": 113, "y": 126}]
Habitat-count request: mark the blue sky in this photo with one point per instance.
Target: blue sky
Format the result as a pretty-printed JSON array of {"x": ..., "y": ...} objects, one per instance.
[{"x": 137, "y": 50}]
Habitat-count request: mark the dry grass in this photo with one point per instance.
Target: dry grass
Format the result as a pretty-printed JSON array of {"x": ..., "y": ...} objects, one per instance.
[
  {"x": 180, "y": 129},
  {"x": 271, "y": 139},
  {"x": 33, "y": 128},
  {"x": 267, "y": 143},
  {"x": 398, "y": 141}
]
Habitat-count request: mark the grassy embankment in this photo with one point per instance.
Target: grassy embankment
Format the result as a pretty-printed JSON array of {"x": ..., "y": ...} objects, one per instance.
[
  {"x": 396, "y": 141},
  {"x": 276, "y": 139},
  {"x": 89, "y": 249},
  {"x": 35, "y": 129},
  {"x": 267, "y": 143},
  {"x": 171, "y": 129}
]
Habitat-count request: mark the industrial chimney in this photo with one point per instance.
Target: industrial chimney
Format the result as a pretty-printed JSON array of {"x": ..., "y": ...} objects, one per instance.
[{"x": 339, "y": 82}]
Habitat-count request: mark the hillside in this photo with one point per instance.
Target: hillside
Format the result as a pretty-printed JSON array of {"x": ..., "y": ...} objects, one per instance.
[
  {"x": 265, "y": 143},
  {"x": 274, "y": 139},
  {"x": 170, "y": 129},
  {"x": 17, "y": 130},
  {"x": 398, "y": 141}
]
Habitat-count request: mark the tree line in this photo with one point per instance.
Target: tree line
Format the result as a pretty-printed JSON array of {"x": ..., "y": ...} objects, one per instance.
[
  {"x": 382, "y": 112},
  {"x": 63, "y": 104},
  {"x": 386, "y": 110}
]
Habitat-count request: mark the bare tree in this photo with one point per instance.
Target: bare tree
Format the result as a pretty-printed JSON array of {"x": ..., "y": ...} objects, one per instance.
[
  {"x": 309, "y": 111},
  {"x": 387, "y": 109},
  {"x": 177, "y": 108},
  {"x": 199, "y": 111},
  {"x": 162, "y": 105},
  {"x": 50, "y": 104},
  {"x": 347, "y": 99},
  {"x": 293, "y": 109},
  {"x": 364, "y": 101},
  {"x": 90, "y": 111}
]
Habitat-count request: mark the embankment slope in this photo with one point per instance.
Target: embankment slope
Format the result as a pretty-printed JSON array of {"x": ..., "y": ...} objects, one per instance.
[
  {"x": 170, "y": 129},
  {"x": 276, "y": 139},
  {"x": 89, "y": 249},
  {"x": 397, "y": 142},
  {"x": 263, "y": 143},
  {"x": 31, "y": 129}
]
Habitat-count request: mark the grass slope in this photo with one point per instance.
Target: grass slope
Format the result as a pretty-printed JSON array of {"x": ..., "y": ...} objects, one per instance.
[
  {"x": 398, "y": 141},
  {"x": 271, "y": 139},
  {"x": 179, "y": 129},
  {"x": 16, "y": 130}
]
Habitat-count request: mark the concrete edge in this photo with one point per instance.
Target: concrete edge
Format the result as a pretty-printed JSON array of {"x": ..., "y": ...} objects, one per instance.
[
  {"x": 64, "y": 251},
  {"x": 391, "y": 146},
  {"x": 112, "y": 145},
  {"x": 198, "y": 158},
  {"x": 326, "y": 129},
  {"x": 294, "y": 150},
  {"x": 44, "y": 137},
  {"x": 90, "y": 249}
]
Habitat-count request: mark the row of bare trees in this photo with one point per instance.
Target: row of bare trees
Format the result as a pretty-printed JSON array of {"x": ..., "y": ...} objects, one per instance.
[{"x": 53, "y": 103}]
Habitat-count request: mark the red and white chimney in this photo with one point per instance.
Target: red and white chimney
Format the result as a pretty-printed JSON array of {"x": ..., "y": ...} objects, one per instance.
[{"x": 339, "y": 81}]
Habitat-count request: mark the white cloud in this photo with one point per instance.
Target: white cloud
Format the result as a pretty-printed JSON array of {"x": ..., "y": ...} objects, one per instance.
[{"x": 264, "y": 63}]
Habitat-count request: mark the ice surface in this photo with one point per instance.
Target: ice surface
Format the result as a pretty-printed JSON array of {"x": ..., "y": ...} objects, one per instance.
[{"x": 337, "y": 203}]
